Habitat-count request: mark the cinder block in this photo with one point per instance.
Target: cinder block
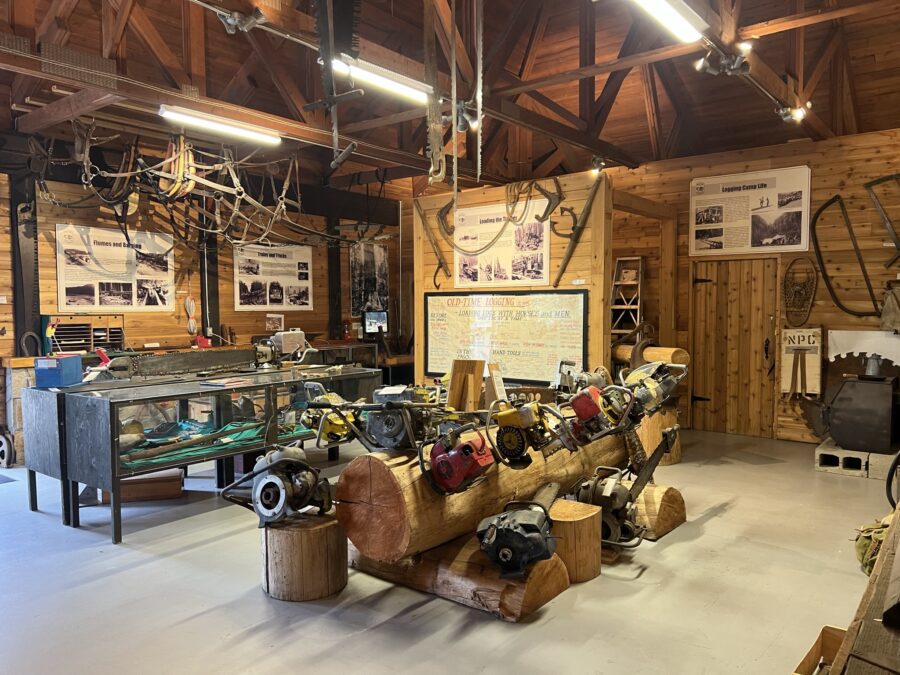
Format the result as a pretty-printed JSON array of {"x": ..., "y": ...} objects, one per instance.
[{"x": 831, "y": 458}]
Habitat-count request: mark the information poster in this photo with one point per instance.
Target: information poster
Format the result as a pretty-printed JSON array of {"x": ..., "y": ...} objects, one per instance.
[
  {"x": 762, "y": 211},
  {"x": 519, "y": 257},
  {"x": 526, "y": 334},
  {"x": 273, "y": 277},
  {"x": 368, "y": 278},
  {"x": 98, "y": 270}
]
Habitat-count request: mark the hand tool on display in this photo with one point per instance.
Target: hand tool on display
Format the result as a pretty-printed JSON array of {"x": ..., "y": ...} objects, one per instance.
[
  {"x": 433, "y": 115},
  {"x": 202, "y": 439},
  {"x": 443, "y": 216},
  {"x": 798, "y": 369},
  {"x": 454, "y": 465},
  {"x": 521, "y": 534},
  {"x": 817, "y": 248},
  {"x": 568, "y": 210},
  {"x": 577, "y": 230},
  {"x": 192, "y": 362},
  {"x": 885, "y": 218},
  {"x": 524, "y": 426},
  {"x": 554, "y": 199},
  {"x": 442, "y": 265},
  {"x": 618, "y": 502},
  {"x": 284, "y": 484},
  {"x": 571, "y": 378}
]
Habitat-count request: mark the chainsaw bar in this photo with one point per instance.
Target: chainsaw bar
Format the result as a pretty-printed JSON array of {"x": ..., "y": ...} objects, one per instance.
[{"x": 181, "y": 363}]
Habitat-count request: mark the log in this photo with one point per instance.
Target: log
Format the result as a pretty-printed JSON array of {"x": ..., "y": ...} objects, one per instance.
[
  {"x": 460, "y": 571},
  {"x": 650, "y": 433},
  {"x": 304, "y": 558},
  {"x": 660, "y": 508},
  {"x": 389, "y": 511},
  {"x": 622, "y": 354},
  {"x": 576, "y": 527}
]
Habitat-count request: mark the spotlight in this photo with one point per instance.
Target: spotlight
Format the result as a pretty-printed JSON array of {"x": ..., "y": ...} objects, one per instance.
[
  {"x": 705, "y": 65},
  {"x": 744, "y": 48},
  {"x": 236, "y": 21},
  {"x": 597, "y": 164},
  {"x": 798, "y": 114},
  {"x": 466, "y": 119},
  {"x": 789, "y": 114}
]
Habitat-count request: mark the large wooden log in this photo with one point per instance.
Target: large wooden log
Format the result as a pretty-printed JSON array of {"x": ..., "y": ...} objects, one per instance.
[
  {"x": 576, "y": 527},
  {"x": 304, "y": 558},
  {"x": 459, "y": 571},
  {"x": 622, "y": 354},
  {"x": 650, "y": 433},
  {"x": 660, "y": 508},
  {"x": 389, "y": 512}
]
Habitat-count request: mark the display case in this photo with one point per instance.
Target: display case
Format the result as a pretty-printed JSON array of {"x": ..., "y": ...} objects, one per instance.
[
  {"x": 105, "y": 435},
  {"x": 332, "y": 353}
]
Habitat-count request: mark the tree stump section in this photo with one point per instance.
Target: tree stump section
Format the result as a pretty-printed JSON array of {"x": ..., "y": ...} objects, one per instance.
[
  {"x": 650, "y": 433},
  {"x": 461, "y": 572},
  {"x": 304, "y": 559},
  {"x": 390, "y": 512},
  {"x": 576, "y": 527},
  {"x": 661, "y": 509}
]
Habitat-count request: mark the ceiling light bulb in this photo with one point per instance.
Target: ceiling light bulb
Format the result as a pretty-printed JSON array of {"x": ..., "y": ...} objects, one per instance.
[
  {"x": 382, "y": 78},
  {"x": 744, "y": 47},
  {"x": 676, "y": 17},
  {"x": 809, "y": 105},
  {"x": 798, "y": 114},
  {"x": 597, "y": 164},
  {"x": 219, "y": 125}
]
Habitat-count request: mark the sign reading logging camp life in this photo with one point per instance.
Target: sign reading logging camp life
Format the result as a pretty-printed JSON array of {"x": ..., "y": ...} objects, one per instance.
[
  {"x": 499, "y": 245},
  {"x": 526, "y": 334},
  {"x": 801, "y": 361},
  {"x": 757, "y": 212},
  {"x": 273, "y": 277},
  {"x": 101, "y": 270}
]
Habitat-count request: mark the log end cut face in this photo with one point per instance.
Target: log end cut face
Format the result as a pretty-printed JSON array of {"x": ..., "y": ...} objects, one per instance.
[{"x": 372, "y": 510}]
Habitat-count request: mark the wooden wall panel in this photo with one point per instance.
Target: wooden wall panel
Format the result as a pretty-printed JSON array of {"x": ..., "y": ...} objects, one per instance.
[
  {"x": 248, "y": 324},
  {"x": 166, "y": 328},
  {"x": 838, "y": 165},
  {"x": 7, "y": 340}
]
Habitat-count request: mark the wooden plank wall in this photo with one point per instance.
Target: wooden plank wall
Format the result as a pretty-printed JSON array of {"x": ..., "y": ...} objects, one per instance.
[
  {"x": 247, "y": 324},
  {"x": 840, "y": 164},
  {"x": 587, "y": 270},
  {"x": 7, "y": 340},
  {"x": 168, "y": 327}
]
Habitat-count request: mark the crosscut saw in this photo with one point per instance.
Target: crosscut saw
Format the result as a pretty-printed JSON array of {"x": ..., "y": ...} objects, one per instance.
[{"x": 185, "y": 363}]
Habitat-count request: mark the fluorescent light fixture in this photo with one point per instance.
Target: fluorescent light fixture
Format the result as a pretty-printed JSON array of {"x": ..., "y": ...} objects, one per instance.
[
  {"x": 218, "y": 125},
  {"x": 382, "y": 78},
  {"x": 676, "y": 17}
]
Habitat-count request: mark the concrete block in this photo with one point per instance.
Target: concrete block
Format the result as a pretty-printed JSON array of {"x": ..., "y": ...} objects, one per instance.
[{"x": 831, "y": 458}]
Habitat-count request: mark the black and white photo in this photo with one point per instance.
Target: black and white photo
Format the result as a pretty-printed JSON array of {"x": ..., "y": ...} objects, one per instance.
[
  {"x": 249, "y": 267},
  {"x": 276, "y": 293},
  {"x": 786, "y": 199},
  {"x": 529, "y": 237},
  {"x": 529, "y": 266},
  {"x": 782, "y": 230},
  {"x": 252, "y": 293},
  {"x": 368, "y": 278},
  {"x": 709, "y": 238},
  {"x": 468, "y": 269},
  {"x": 77, "y": 257},
  {"x": 710, "y": 215},
  {"x": 79, "y": 296},
  {"x": 501, "y": 271},
  {"x": 152, "y": 292},
  {"x": 116, "y": 294},
  {"x": 298, "y": 295},
  {"x": 151, "y": 264}
]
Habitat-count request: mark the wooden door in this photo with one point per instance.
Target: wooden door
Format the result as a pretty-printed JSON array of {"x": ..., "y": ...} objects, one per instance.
[{"x": 733, "y": 335}]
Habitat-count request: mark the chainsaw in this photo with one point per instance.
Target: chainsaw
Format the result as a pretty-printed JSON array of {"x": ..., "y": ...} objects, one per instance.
[
  {"x": 614, "y": 409},
  {"x": 284, "y": 484},
  {"x": 520, "y": 534},
  {"x": 454, "y": 464},
  {"x": 618, "y": 502},
  {"x": 524, "y": 426}
]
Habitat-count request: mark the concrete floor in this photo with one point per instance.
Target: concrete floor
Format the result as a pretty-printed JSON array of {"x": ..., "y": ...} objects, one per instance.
[{"x": 765, "y": 559}]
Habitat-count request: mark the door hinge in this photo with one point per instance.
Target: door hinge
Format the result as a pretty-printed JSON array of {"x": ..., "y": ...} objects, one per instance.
[
  {"x": 695, "y": 398},
  {"x": 699, "y": 280}
]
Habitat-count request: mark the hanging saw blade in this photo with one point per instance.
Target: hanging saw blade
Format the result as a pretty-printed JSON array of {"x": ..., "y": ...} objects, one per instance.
[
  {"x": 438, "y": 170},
  {"x": 479, "y": 82}
]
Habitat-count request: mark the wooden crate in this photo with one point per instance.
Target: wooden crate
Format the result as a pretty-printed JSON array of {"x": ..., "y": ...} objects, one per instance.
[{"x": 166, "y": 484}]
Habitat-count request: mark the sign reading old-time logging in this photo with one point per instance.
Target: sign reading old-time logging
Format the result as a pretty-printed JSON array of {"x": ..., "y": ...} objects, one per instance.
[{"x": 526, "y": 333}]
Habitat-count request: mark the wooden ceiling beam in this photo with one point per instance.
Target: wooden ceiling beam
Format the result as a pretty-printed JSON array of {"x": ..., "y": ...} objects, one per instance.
[
  {"x": 496, "y": 59},
  {"x": 56, "y": 18},
  {"x": 113, "y": 26},
  {"x": 388, "y": 174},
  {"x": 813, "y": 17},
  {"x": 448, "y": 31},
  {"x": 729, "y": 13},
  {"x": 822, "y": 61},
  {"x": 587, "y": 56},
  {"x": 681, "y": 135},
  {"x": 282, "y": 77},
  {"x": 145, "y": 29},
  {"x": 64, "y": 109},
  {"x": 651, "y": 106},
  {"x": 795, "y": 51},
  {"x": 193, "y": 38},
  {"x": 53, "y": 29},
  {"x": 506, "y": 111},
  {"x": 620, "y": 63},
  {"x": 639, "y": 37},
  {"x": 242, "y": 85}
]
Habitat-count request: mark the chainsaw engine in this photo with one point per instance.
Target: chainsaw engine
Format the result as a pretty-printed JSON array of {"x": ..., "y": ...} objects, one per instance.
[
  {"x": 283, "y": 485},
  {"x": 398, "y": 424},
  {"x": 520, "y": 535},
  {"x": 524, "y": 426},
  {"x": 455, "y": 465}
]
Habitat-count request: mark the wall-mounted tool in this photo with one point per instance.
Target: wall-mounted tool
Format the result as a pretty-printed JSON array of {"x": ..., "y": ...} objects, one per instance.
[
  {"x": 885, "y": 218},
  {"x": 456, "y": 464},
  {"x": 577, "y": 230},
  {"x": 442, "y": 265},
  {"x": 284, "y": 484},
  {"x": 521, "y": 534},
  {"x": 618, "y": 501},
  {"x": 554, "y": 199},
  {"x": 525, "y": 426}
]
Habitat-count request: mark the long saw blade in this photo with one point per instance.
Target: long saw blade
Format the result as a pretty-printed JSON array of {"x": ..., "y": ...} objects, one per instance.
[
  {"x": 479, "y": 81},
  {"x": 438, "y": 170}
]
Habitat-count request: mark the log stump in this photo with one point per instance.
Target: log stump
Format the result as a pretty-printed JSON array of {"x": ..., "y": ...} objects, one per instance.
[
  {"x": 576, "y": 527},
  {"x": 304, "y": 558},
  {"x": 461, "y": 572},
  {"x": 660, "y": 508},
  {"x": 650, "y": 433}
]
